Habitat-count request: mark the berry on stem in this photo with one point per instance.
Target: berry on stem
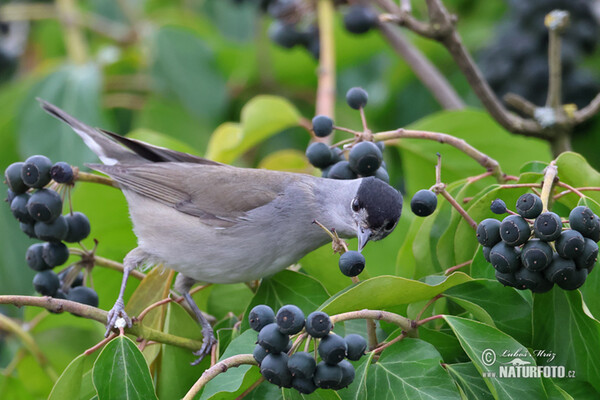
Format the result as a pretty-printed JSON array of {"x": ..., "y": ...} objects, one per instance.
[
  {"x": 423, "y": 203},
  {"x": 290, "y": 319},
  {"x": 318, "y": 324},
  {"x": 357, "y": 98},
  {"x": 322, "y": 125},
  {"x": 352, "y": 263},
  {"x": 260, "y": 316}
]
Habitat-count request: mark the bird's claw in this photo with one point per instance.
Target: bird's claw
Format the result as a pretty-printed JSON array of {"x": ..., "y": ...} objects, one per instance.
[
  {"x": 112, "y": 319},
  {"x": 208, "y": 342}
]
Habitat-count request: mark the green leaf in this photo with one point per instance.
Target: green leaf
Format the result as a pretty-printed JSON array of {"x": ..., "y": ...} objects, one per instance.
[
  {"x": 74, "y": 88},
  {"x": 561, "y": 325},
  {"x": 121, "y": 372},
  {"x": 75, "y": 382},
  {"x": 288, "y": 287},
  {"x": 387, "y": 291},
  {"x": 576, "y": 171},
  {"x": 577, "y": 389},
  {"x": 485, "y": 346},
  {"x": 287, "y": 160},
  {"x": 235, "y": 380},
  {"x": 261, "y": 118},
  {"x": 513, "y": 317},
  {"x": 469, "y": 380},
  {"x": 410, "y": 369}
]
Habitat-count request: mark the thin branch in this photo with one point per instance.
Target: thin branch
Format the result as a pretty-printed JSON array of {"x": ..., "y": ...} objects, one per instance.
[
  {"x": 570, "y": 189},
  {"x": 521, "y": 104},
  {"x": 575, "y": 190},
  {"x": 459, "y": 208},
  {"x": 388, "y": 344},
  {"x": 88, "y": 177},
  {"x": 429, "y": 319},
  {"x": 403, "y": 322},
  {"x": 588, "y": 111},
  {"x": 325, "y": 103},
  {"x": 457, "y": 267},
  {"x": 429, "y": 303},
  {"x": 371, "y": 333}
]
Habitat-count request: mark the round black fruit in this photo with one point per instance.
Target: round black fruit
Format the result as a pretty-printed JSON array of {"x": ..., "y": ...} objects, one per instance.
[
  {"x": 348, "y": 374},
  {"x": 507, "y": 279},
  {"x": 45, "y": 205},
  {"x": 352, "y": 263},
  {"x": 565, "y": 274},
  {"x": 18, "y": 207},
  {"x": 365, "y": 158},
  {"x": 498, "y": 206},
  {"x": 36, "y": 171},
  {"x": 35, "y": 259},
  {"x": 319, "y": 155},
  {"x": 322, "y": 125},
  {"x": 271, "y": 339},
  {"x": 589, "y": 255},
  {"x": 360, "y": 19},
  {"x": 28, "y": 228},
  {"x": 536, "y": 255},
  {"x": 285, "y": 35},
  {"x": 357, "y": 98},
  {"x": 290, "y": 319},
  {"x": 46, "y": 283},
  {"x": 583, "y": 220},
  {"x": 547, "y": 226},
  {"x": 318, "y": 324},
  {"x": 534, "y": 281},
  {"x": 382, "y": 174},
  {"x": 302, "y": 365},
  {"x": 341, "y": 170},
  {"x": 54, "y": 231},
  {"x": 333, "y": 349},
  {"x": 261, "y": 316},
  {"x": 356, "y": 345},
  {"x": 55, "y": 253},
  {"x": 79, "y": 227},
  {"x": 514, "y": 230},
  {"x": 12, "y": 176},
  {"x": 488, "y": 232},
  {"x": 505, "y": 258},
  {"x": 570, "y": 244},
  {"x": 303, "y": 385},
  {"x": 423, "y": 203},
  {"x": 83, "y": 295},
  {"x": 274, "y": 369},
  {"x": 328, "y": 376},
  {"x": 529, "y": 205},
  {"x": 61, "y": 172},
  {"x": 259, "y": 353}
]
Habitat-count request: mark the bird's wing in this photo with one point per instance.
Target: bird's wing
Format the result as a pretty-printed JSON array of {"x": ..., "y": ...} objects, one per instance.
[{"x": 219, "y": 195}]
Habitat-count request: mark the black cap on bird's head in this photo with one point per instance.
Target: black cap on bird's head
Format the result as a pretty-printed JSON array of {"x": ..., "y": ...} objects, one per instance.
[{"x": 377, "y": 208}]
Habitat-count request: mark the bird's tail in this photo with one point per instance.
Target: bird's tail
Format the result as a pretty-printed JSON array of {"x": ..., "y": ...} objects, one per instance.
[{"x": 109, "y": 151}]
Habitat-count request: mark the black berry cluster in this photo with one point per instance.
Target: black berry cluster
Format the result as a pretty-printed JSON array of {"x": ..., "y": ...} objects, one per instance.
[
  {"x": 300, "y": 370},
  {"x": 363, "y": 159},
  {"x": 531, "y": 249},
  {"x": 38, "y": 208},
  {"x": 517, "y": 61}
]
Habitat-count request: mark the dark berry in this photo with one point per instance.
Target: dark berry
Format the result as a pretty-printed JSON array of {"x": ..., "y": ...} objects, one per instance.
[
  {"x": 536, "y": 255},
  {"x": 547, "y": 226},
  {"x": 61, "y": 172},
  {"x": 514, "y": 230},
  {"x": 488, "y": 232},
  {"x": 318, "y": 324},
  {"x": 507, "y": 279},
  {"x": 505, "y": 258},
  {"x": 381, "y": 146},
  {"x": 10, "y": 195},
  {"x": 285, "y": 35},
  {"x": 486, "y": 252},
  {"x": 304, "y": 386},
  {"x": 423, "y": 203},
  {"x": 529, "y": 205},
  {"x": 259, "y": 353},
  {"x": 290, "y": 319},
  {"x": 83, "y": 295},
  {"x": 357, "y": 98},
  {"x": 588, "y": 256},
  {"x": 18, "y": 207},
  {"x": 569, "y": 244},
  {"x": 322, "y": 125},
  {"x": 348, "y": 374},
  {"x": 76, "y": 280},
  {"x": 333, "y": 348},
  {"x": 35, "y": 259},
  {"x": 382, "y": 174},
  {"x": 583, "y": 220},
  {"x": 352, "y": 263},
  {"x": 365, "y": 158},
  {"x": 527, "y": 279},
  {"x": 46, "y": 283},
  {"x": 328, "y": 376},
  {"x": 45, "y": 205},
  {"x": 498, "y": 206},
  {"x": 274, "y": 369},
  {"x": 338, "y": 154},
  {"x": 79, "y": 227},
  {"x": 260, "y": 316},
  {"x": 565, "y": 274},
  {"x": 28, "y": 228},
  {"x": 341, "y": 170},
  {"x": 12, "y": 176},
  {"x": 319, "y": 155},
  {"x": 54, "y": 231},
  {"x": 271, "y": 339},
  {"x": 36, "y": 171},
  {"x": 356, "y": 346},
  {"x": 302, "y": 364},
  {"x": 55, "y": 253},
  {"x": 360, "y": 19}
]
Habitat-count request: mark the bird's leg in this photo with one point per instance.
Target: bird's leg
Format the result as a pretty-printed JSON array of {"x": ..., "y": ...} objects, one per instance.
[
  {"x": 183, "y": 285},
  {"x": 133, "y": 259}
]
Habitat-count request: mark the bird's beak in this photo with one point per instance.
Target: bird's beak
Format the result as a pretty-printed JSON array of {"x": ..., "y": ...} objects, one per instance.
[{"x": 364, "y": 234}]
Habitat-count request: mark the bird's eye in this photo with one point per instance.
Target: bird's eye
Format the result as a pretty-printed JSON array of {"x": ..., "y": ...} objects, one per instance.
[
  {"x": 389, "y": 226},
  {"x": 355, "y": 205}
]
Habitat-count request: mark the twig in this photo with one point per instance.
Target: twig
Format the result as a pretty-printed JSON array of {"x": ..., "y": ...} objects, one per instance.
[
  {"x": 429, "y": 319},
  {"x": 218, "y": 368},
  {"x": 459, "y": 208},
  {"x": 588, "y": 111},
  {"x": 325, "y": 103},
  {"x": 403, "y": 322},
  {"x": 575, "y": 190},
  {"x": 457, "y": 267},
  {"x": 371, "y": 334},
  {"x": 519, "y": 103},
  {"x": 570, "y": 189},
  {"x": 100, "y": 344},
  {"x": 87, "y": 177},
  {"x": 388, "y": 344},
  {"x": 429, "y": 303},
  {"x": 556, "y": 21}
]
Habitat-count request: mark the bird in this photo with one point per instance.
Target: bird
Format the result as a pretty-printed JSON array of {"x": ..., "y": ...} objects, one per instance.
[{"x": 217, "y": 223}]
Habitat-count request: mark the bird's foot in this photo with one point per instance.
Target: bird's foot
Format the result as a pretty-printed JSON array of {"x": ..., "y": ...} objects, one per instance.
[
  {"x": 208, "y": 341},
  {"x": 114, "y": 316}
]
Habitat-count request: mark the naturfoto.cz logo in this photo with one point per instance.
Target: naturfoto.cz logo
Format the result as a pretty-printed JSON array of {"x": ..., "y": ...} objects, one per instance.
[{"x": 520, "y": 367}]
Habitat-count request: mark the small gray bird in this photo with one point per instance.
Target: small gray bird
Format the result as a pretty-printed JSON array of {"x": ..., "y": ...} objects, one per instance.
[{"x": 217, "y": 223}]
